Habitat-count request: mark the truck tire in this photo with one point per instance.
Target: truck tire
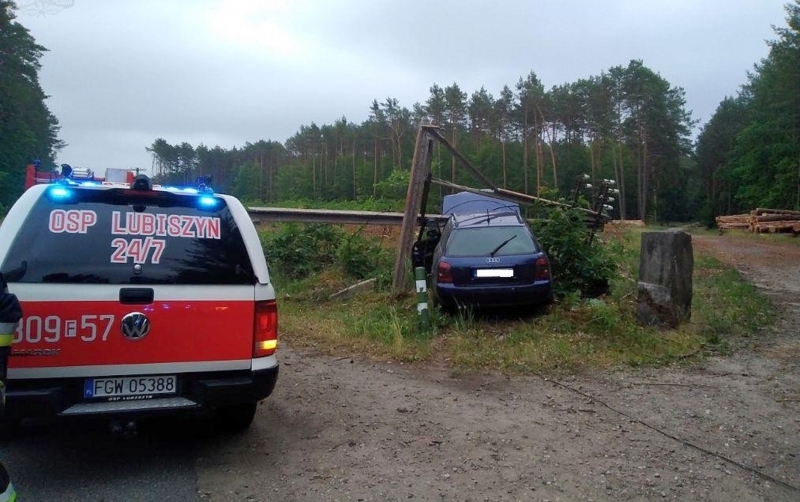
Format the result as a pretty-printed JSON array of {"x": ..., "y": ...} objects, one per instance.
[{"x": 235, "y": 417}]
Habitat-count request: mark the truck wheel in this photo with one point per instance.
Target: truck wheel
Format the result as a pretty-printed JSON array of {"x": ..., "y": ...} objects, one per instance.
[{"x": 236, "y": 417}]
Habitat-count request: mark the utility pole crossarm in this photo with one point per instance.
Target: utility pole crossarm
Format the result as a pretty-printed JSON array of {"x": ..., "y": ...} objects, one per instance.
[
  {"x": 521, "y": 197},
  {"x": 434, "y": 131},
  {"x": 509, "y": 195}
]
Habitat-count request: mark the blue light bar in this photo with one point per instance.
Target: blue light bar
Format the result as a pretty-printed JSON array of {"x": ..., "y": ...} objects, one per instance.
[
  {"x": 208, "y": 201},
  {"x": 60, "y": 193}
]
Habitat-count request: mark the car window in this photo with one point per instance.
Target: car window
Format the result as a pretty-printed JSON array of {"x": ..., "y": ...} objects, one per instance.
[
  {"x": 106, "y": 238},
  {"x": 482, "y": 241},
  {"x": 448, "y": 228}
]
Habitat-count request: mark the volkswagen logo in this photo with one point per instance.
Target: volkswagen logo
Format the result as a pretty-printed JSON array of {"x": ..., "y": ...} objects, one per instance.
[
  {"x": 492, "y": 260},
  {"x": 135, "y": 326}
]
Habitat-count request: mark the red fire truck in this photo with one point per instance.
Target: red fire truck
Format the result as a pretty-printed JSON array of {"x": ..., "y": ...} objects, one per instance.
[
  {"x": 137, "y": 300},
  {"x": 35, "y": 175}
]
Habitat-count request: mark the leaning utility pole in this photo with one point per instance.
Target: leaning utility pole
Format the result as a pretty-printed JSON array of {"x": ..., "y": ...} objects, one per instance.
[
  {"x": 421, "y": 175},
  {"x": 420, "y": 167}
]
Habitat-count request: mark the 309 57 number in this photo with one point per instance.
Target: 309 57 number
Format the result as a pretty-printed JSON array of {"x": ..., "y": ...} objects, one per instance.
[{"x": 53, "y": 329}]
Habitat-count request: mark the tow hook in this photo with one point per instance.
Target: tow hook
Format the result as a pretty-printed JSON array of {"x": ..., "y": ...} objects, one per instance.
[{"x": 123, "y": 430}]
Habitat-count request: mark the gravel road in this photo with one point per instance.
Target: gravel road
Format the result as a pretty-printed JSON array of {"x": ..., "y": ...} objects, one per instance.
[{"x": 344, "y": 429}]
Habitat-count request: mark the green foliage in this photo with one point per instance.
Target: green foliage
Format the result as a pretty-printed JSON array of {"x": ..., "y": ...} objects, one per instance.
[
  {"x": 296, "y": 251},
  {"x": 577, "y": 264},
  {"x": 249, "y": 172},
  {"x": 715, "y": 156},
  {"x": 726, "y": 305},
  {"x": 175, "y": 164},
  {"x": 247, "y": 183},
  {"x": 27, "y": 128},
  {"x": 628, "y": 123},
  {"x": 749, "y": 151},
  {"x": 681, "y": 198},
  {"x": 389, "y": 324},
  {"x": 361, "y": 257},
  {"x": 395, "y": 186}
]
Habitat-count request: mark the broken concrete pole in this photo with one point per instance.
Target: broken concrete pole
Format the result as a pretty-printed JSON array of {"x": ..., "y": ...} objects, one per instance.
[{"x": 665, "y": 279}]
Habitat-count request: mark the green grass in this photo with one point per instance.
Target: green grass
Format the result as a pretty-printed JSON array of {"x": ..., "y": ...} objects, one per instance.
[
  {"x": 779, "y": 238},
  {"x": 725, "y": 304},
  {"x": 570, "y": 335},
  {"x": 373, "y": 324}
]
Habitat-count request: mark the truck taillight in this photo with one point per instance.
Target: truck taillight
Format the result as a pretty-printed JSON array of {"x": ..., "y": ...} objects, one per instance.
[
  {"x": 266, "y": 328},
  {"x": 444, "y": 272},
  {"x": 542, "y": 269}
]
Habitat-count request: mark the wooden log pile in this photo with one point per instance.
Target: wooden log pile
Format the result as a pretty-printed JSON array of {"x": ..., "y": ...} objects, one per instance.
[
  {"x": 734, "y": 221},
  {"x": 762, "y": 221}
]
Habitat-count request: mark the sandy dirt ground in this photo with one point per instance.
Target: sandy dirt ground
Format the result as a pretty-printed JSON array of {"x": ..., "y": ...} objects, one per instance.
[{"x": 346, "y": 429}]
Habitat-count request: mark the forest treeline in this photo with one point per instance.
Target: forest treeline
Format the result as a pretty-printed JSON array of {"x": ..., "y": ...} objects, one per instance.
[
  {"x": 749, "y": 152},
  {"x": 628, "y": 123},
  {"x": 27, "y": 128}
]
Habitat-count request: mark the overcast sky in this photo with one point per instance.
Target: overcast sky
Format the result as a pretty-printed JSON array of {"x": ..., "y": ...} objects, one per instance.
[{"x": 122, "y": 73}]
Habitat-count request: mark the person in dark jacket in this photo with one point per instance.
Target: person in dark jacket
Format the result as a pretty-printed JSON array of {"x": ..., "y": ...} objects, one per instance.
[{"x": 10, "y": 314}]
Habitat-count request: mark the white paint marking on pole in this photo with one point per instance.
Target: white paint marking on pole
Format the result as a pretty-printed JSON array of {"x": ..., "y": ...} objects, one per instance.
[{"x": 421, "y": 307}]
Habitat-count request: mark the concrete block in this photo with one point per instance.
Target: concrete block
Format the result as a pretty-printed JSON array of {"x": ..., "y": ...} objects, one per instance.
[{"x": 666, "y": 265}]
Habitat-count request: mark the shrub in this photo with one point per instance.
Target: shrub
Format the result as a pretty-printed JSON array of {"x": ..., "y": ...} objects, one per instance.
[
  {"x": 360, "y": 257},
  {"x": 297, "y": 251},
  {"x": 395, "y": 186},
  {"x": 577, "y": 264}
]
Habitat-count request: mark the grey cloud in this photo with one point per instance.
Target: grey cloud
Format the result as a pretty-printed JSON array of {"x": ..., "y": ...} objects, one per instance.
[{"x": 121, "y": 74}]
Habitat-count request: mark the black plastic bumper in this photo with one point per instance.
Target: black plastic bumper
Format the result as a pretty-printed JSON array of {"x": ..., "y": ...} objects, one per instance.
[{"x": 49, "y": 398}]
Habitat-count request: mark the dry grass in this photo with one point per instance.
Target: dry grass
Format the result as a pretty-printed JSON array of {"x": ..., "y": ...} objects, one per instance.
[{"x": 570, "y": 335}]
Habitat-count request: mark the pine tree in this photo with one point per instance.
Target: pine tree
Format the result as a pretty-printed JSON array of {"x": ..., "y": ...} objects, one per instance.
[{"x": 28, "y": 130}]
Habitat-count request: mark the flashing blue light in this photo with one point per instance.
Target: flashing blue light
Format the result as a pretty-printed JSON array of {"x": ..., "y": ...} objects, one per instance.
[
  {"x": 60, "y": 193},
  {"x": 208, "y": 202},
  {"x": 90, "y": 184},
  {"x": 190, "y": 190}
]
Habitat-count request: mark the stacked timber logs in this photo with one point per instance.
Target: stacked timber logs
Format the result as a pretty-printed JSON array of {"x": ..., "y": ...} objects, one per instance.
[
  {"x": 734, "y": 221},
  {"x": 762, "y": 221},
  {"x": 775, "y": 220}
]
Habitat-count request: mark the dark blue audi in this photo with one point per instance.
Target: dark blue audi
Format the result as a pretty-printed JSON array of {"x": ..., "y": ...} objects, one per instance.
[{"x": 490, "y": 259}]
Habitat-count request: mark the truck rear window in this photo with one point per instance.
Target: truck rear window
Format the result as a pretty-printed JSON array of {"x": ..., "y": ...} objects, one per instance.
[{"x": 119, "y": 236}]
